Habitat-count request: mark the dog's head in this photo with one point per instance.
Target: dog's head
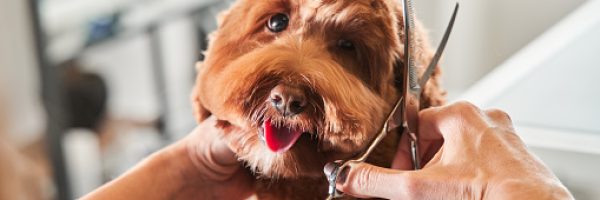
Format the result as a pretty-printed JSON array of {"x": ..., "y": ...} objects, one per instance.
[{"x": 311, "y": 79}]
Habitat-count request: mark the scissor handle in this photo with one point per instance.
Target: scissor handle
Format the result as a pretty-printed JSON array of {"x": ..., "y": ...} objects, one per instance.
[{"x": 333, "y": 171}]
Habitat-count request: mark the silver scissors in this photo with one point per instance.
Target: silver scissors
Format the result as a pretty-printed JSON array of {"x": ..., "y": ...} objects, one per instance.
[{"x": 408, "y": 103}]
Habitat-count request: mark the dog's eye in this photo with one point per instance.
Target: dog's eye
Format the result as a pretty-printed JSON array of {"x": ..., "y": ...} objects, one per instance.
[
  {"x": 345, "y": 44},
  {"x": 278, "y": 22}
]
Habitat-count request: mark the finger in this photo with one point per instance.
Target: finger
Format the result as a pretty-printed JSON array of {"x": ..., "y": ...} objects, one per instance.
[
  {"x": 430, "y": 140},
  {"x": 210, "y": 153},
  {"x": 222, "y": 154},
  {"x": 448, "y": 121},
  {"x": 402, "y": 159},
  {"x": 445, "y": 121},
  {"x": 200, "y": 113},
  {"x": 220, "y": 147},
  {"x": 429, "y": 120},
  {"x": 427, "y": 149},
  {"x": 194, "y": 97},
  {"x": 499, "y": 118},
  {"x": 368, "y": 181}
]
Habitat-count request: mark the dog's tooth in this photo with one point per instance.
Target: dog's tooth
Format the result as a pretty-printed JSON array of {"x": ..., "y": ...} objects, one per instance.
[{"x": 261, "y": 134}]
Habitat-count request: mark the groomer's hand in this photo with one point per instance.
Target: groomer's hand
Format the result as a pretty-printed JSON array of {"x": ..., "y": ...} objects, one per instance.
[
  {"x": 200, "y": 166},
  {"x": 219, "y": 173},
  {"x": 470, "y": 154}
]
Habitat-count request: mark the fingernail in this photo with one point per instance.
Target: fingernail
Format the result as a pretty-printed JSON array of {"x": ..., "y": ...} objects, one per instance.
[
  {"x": 329, "y": 167},
  {"x": 343, "y": 175}
]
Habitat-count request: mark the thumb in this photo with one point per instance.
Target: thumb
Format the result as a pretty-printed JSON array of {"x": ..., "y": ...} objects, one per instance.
[
  {"x": 222, "y": 154},
  {"x": 220, "y": 151},
  {"x": 367, "y": 181},
  {"x": 210, "y": 154}
]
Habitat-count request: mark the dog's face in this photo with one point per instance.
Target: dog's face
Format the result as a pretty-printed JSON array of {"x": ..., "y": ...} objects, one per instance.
[{"x": 311, "y": 79}]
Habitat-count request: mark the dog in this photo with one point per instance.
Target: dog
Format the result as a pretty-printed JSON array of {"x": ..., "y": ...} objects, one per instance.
[{"x": 312, "y": 80}]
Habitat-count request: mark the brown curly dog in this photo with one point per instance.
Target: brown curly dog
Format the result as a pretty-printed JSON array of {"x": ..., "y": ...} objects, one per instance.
[{"x": 312, "y": 79}]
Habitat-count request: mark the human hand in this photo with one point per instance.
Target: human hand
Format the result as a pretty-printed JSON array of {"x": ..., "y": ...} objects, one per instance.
[
  {"x": 470, "y": 154},
  {"x": 217, "y": 173},
  {"x": 200, "y": 166}
]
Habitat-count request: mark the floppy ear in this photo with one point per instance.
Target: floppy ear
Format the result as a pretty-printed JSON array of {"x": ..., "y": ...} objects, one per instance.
[
  {"x": 225, "y": 18},
  {"x": 200, "y": 112},
  {"x": 433, "y": 94}
]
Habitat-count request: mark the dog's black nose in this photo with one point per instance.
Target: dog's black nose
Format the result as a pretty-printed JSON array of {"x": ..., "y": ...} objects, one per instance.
[{"x": 288, "y": 101}]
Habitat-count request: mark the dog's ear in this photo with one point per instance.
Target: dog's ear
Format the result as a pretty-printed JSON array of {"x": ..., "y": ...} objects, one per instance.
[
  {"x": 200, "y": 112},
  {"x": 433, "y": 94}
]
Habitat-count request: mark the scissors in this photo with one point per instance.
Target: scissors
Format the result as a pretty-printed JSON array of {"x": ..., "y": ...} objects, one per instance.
[{"x": 408, "y": 103}]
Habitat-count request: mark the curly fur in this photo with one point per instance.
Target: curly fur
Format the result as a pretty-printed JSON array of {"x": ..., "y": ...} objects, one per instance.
[{"x": 348, "y": 91}]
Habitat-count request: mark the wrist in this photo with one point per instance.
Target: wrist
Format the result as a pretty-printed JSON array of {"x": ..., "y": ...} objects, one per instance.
[
  {"x": 198, "y": 165},
  {"x": 166, "y": 174},
  {"x": 184, "y": 175},
  {"x": 210, "y": 157},
  {"x": 196, "y": 161}
]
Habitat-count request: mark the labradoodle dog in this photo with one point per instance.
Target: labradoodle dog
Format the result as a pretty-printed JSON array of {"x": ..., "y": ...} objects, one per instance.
[{"x": 312, "y": 79}]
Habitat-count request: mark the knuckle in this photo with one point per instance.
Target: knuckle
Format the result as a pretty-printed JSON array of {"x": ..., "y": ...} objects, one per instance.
[
  {"x": 440, "y": 114},
  {"x": 497, "y": 113},
  {"x": 411, "y": 185},
  {"x": 429, "y": 114},
  {"x": 463, "y": 104},
  {"x": 363, "y": 178},
  {"x": 360, "y": 180},
  {"x": 466, "y": 106}
]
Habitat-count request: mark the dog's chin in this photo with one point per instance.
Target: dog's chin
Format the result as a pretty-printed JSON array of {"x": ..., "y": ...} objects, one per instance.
[{"x": 299, "y": 154}]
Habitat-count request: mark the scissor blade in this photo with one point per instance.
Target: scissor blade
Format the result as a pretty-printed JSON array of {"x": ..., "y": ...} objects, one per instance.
[
  {"x": 409, "y": 45},
  {"x": 383, "y": 131},
  {"x": 394, "y": 111},
  {"x": 411, "y": 90},
  {"x": 440, "y": 49}
]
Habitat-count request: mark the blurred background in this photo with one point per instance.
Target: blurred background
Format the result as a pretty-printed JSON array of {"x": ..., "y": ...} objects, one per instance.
[{"x": 90, "y": 87}]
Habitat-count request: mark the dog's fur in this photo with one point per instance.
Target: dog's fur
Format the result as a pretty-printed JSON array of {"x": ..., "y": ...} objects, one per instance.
[{"x": 348, "y": 91}]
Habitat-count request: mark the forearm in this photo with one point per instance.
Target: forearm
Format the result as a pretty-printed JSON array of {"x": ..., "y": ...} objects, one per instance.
[
  {"x": 160, "y": 176},
  {"x": 200, "y": 166}
]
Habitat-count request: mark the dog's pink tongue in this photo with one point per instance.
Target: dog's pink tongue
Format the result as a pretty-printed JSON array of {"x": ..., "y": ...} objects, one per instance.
[{"x": 279, "y": 139}]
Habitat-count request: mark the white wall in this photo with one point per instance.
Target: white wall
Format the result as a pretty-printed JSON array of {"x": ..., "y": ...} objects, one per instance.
[
  {"x": 18, "y": 73},
  {"x": 556, "y": 116},
  {"x": 486, "y": 33}
]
